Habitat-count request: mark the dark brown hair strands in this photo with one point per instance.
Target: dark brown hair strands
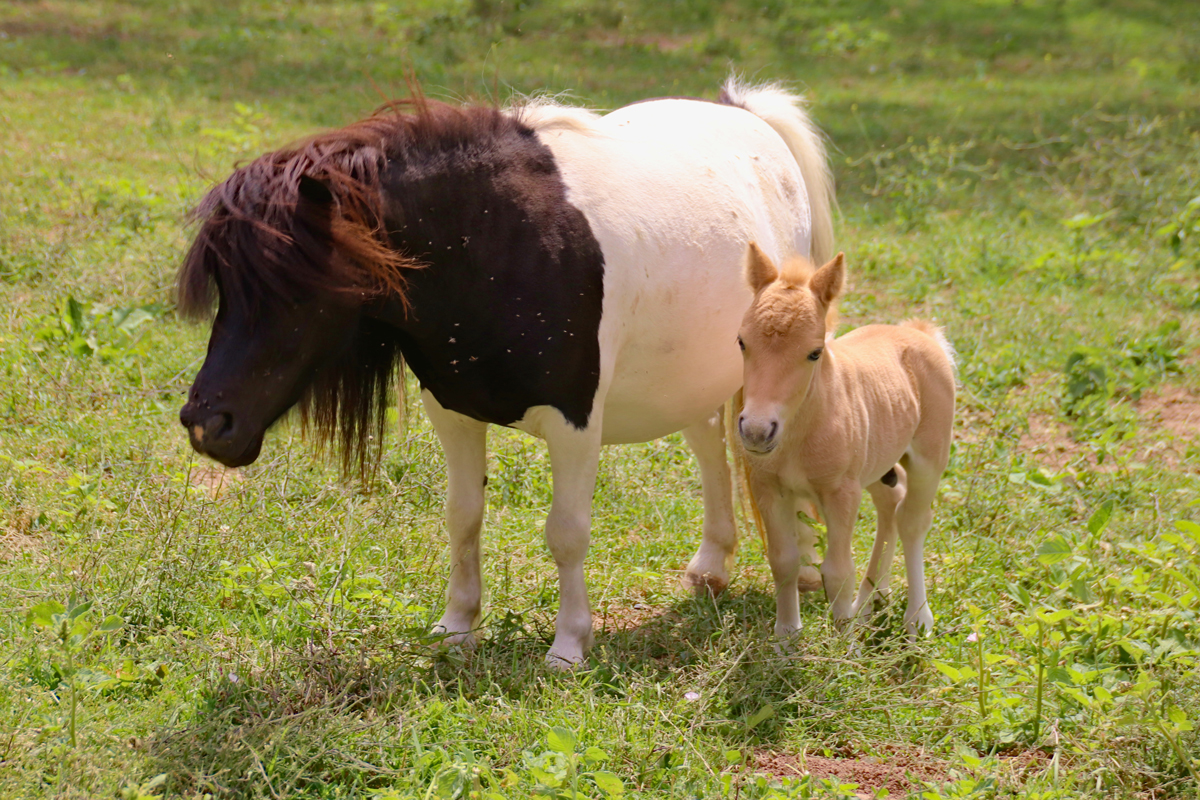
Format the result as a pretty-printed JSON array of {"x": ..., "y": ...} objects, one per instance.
[{"x": 308, "y": 221}]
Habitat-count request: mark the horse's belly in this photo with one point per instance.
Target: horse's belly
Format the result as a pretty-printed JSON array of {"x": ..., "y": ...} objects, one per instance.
[{"x": 679, "y": 361}]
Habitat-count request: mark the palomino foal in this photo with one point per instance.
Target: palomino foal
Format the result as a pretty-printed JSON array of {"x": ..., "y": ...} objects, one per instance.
[{"x": 822, "y": 418}]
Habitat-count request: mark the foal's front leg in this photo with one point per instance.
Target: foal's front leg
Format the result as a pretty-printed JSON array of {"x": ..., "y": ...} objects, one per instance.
[
  {"x": 837, "y": 570},
  {"x": 464, "y": 441},
  {"x": 783, "y": 554}
]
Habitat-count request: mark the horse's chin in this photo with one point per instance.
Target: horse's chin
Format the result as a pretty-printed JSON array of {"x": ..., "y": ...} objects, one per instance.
[{"x": 248, "y": 455}]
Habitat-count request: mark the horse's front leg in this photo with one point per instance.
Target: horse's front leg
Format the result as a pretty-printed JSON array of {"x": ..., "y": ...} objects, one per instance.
[
  {"x": 708, "y": 571},
  {"x": 840, "y": 508},
  {"x": 574, "y": 459},
  {"x": 464, "y": 441}
]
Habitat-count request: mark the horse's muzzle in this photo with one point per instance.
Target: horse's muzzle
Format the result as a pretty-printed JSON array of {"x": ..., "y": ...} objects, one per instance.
[{"x": 217, "y": 435}]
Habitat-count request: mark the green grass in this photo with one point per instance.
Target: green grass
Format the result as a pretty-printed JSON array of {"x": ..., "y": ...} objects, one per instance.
[{"x": 1020, "y": 171}]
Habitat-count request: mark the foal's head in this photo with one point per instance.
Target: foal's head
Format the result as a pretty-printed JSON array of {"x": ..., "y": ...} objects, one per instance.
[{"x": 782, "y": 340}]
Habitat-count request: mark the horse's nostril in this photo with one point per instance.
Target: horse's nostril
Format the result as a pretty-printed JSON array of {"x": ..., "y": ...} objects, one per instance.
[
  {"x": 218, "y": 426},
  {"x": 774, "y": 430}
]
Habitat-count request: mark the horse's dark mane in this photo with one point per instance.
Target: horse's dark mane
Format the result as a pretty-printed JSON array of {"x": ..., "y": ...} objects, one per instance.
[
  {"x": 269, "y": 235},
  {"x": 260, "y": 242}
]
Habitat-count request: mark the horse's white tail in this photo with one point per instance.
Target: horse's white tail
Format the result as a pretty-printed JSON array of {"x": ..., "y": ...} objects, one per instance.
[
  {"x": 938, "y": 334},
  {"x": 784, "y": 111}
]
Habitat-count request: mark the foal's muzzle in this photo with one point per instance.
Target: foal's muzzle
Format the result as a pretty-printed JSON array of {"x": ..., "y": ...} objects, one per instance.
[{"x": 758, "y": 436}]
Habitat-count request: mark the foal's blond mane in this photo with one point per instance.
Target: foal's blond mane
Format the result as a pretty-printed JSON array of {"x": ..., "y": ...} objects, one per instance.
[{"x": 797, "y": 271}]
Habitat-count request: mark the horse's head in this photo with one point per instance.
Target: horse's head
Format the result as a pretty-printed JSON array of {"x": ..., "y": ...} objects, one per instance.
[
  {"x": 782, "y": 339},
  {"x": 290, "y": 263},
  {"x": 260, "y": 363}
]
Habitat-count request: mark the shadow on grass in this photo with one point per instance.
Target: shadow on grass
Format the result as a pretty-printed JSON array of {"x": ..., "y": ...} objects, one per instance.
[{"x": 336, "y": 708}]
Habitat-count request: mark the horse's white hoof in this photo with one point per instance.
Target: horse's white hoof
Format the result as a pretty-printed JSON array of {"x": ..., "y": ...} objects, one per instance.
[
  {"x": 922, "y": 625},
  {"x": 564, "y": 661},
  {"x": 454, "y": 634},
  {"x": 810, "y": 580},
  {"x": 706, "y": 576}
]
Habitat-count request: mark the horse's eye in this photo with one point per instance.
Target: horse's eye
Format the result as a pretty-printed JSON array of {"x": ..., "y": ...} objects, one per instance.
[
  {"x": 741, "y": 344},
  {"x": 815, "y": 354}
]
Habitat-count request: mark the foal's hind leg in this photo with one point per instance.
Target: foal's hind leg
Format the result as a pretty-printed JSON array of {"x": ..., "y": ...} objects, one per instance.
[
  {"x": 708, "y": 571},
  {"x": 913, "y": 518},
  {"x": 464, "y": 442},
  {"x": 874, "y": 586}
]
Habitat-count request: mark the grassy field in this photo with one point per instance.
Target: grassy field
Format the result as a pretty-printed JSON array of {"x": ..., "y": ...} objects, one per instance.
[{"x": 1027, "y": 172}]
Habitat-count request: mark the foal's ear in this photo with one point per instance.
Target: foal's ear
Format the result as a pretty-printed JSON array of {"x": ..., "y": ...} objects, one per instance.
[
  {"x": 757, "y": 268},
  {"x": 314, "y": 190},
  {"x": 827, "y": 282}
]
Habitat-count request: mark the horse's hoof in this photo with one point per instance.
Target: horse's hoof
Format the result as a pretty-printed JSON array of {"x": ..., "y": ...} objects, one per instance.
[
  {"x": 443, "y": 638},
  {"x": 563, "y": 661},
  {"x": 705, "y": 585},
  {"x": 921, "y": 626}
]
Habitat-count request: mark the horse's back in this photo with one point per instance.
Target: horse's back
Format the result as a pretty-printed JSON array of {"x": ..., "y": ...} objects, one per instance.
[
  {"x": 912, "y": 356},
  {"x": 673, "y": 189}
]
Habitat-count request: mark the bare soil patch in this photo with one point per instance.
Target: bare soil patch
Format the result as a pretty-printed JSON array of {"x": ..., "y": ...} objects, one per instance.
[
  {"x": 899, "y": 772},
  {"x": 15, "y": 537},
  {"x": 1174, "y": 409}
]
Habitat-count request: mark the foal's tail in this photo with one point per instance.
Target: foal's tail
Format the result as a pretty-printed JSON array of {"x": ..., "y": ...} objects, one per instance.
[
  {"x": 938, "y": 334},
  {"x": 741, "y": 467},
  {"x": 784, "y": 111}
]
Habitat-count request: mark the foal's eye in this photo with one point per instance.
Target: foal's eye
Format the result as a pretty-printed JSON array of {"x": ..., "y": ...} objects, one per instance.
[
  {"x": 741, "y": 344},
  {"x": 815, "y": 354}
]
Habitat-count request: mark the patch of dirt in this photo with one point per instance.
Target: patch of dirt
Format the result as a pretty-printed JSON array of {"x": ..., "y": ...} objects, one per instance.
[
  {"x": 1174, "y": 409},
  {"x": 15, "y": 537},
  {"x": 898, "y": 771},
  {"x": 216, "y": 479}
]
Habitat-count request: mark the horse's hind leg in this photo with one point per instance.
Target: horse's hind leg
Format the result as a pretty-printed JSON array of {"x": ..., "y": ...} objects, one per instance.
[
  {"x": 874, "y": 587},
  {"x": 464, "y": 442},
  {"x": 708, "y": 571}
]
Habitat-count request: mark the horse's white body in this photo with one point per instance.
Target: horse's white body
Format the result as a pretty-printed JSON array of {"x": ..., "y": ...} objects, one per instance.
[{"x": 673, "y": 190}]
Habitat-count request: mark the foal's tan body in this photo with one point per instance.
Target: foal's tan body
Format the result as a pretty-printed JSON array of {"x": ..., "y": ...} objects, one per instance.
[{"x": 877, "y": 400}]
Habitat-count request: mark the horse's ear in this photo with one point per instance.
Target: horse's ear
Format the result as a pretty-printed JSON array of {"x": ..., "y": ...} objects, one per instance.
[
  {"x": 827, "y": 282},
  {"x": 757, "y": 268},
  {"x": 315, "y": 191}
]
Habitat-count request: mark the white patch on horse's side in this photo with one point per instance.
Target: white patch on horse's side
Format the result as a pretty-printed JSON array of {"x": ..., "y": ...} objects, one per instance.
[{"x": 672, "y": 237}]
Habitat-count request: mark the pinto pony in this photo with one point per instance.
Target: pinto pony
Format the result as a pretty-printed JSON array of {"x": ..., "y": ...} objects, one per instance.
[
  {"x": 568, "y": 274},
  {"x": 820, "y": 419}
]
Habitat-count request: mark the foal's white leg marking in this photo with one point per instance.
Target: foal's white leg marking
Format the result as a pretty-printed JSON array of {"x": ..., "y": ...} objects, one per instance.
[
  {"x": 783, "y": 554},
  {"x": 837, "y": 570},
  {"x": 574, "y": 459},
  {"x": 708, "y": 571},
  {"x": 913, "y": 519},
  {"x": 464, "y": 442},
  {"x": 875, "y": 582}
]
